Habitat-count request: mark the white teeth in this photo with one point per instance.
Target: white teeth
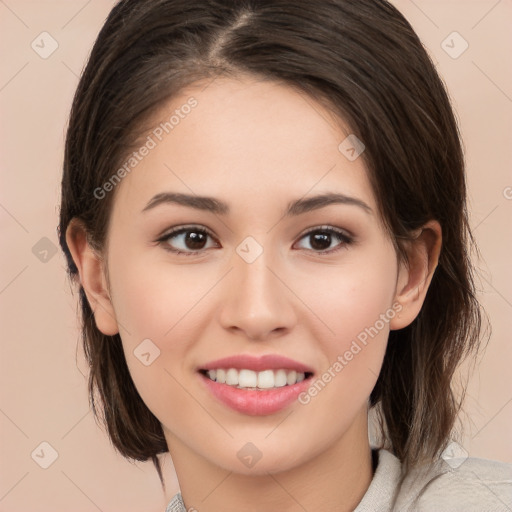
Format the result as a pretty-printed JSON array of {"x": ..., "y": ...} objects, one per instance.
[
  {"x": 280, "y": 379},
  {"x": 266, "y": 379},
  {"x": 249, "y": 379},
  {"x": 232, "y": 377},
  {"x": 291, "y": 378},
  {"x": 221, "y": 376}
]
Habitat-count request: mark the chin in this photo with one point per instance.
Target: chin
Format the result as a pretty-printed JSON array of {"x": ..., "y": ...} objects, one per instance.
[{"x": 252, "y": 461}]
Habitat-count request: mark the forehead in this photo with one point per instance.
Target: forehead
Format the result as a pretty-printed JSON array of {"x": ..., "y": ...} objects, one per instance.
[{"x": 242, "y": 138}]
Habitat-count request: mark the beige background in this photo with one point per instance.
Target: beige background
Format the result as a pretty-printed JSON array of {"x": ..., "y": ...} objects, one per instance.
[{"x": 43, "y": 388}]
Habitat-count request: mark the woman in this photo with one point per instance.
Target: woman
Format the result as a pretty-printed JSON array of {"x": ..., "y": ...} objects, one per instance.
[{"x": 264, "y": 204}]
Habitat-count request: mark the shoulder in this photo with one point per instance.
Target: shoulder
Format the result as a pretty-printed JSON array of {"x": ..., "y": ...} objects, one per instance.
[
  {"x": 176, "y": 504},
  {"x": 470, "y": 484},
  {"x": 451, "y": 485}
]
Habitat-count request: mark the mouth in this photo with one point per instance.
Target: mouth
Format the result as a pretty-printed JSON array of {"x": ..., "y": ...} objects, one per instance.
[
  {"x": 252, "y": 380},
  {"x": 256, "y": 386}
]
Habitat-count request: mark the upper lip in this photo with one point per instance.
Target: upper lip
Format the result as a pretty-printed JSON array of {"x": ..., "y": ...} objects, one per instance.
[{"x": 257, "y": 363}]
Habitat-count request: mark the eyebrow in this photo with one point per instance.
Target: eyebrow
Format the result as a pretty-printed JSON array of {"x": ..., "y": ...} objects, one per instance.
[{"x": 216, "y": 206}]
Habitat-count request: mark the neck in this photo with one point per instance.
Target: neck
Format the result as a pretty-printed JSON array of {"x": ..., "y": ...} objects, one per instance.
[{"x": 334, "y": 480}]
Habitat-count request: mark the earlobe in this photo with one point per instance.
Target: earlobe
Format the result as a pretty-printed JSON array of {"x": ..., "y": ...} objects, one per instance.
[
  {"x": 92, "y": 277},
  {"x": 414, "y": 278}
]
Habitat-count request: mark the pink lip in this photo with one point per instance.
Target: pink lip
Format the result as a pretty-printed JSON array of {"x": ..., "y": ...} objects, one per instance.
[
  {"x": 253, "y": 402},
  {"x": 257, "y": 364}
]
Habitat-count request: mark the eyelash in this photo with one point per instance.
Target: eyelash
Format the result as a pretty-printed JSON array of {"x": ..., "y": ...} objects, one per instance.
[{"x": 344, "y": 238}]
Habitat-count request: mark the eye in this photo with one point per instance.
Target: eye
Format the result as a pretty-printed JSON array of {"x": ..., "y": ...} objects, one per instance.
[
  {"x": 320, "y": 239},
  {"x": 190, "y": 240},
  {"x": 187, "y": 240}
]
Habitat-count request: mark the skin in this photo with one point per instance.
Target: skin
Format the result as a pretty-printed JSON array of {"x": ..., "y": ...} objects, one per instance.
[{"x": 256, "y": 145}]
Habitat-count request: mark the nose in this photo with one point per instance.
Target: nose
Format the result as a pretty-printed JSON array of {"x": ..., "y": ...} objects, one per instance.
[{"x": 257, "y": 301}]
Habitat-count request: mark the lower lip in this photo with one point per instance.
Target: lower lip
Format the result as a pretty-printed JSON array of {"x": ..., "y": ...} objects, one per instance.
[{"x": 252, "y": 402}]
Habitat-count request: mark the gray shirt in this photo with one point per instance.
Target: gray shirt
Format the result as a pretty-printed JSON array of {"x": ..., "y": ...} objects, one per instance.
[{"x": 465, "y": 485}]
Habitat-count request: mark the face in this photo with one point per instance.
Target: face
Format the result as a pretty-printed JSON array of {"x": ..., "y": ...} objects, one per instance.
[{"x": 258, "y": 272}]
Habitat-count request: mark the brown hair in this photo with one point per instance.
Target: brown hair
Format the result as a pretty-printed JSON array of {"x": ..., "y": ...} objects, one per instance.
[{"x": 362, "y": 60}]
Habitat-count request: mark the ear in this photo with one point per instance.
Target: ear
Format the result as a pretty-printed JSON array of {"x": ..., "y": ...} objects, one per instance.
[
  {"x": 92, "y": 277},
  {"x": 414, "y": 277}
]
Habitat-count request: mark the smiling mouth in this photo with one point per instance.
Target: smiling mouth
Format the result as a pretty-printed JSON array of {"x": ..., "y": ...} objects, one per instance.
[{"x": 253, "y": 380}]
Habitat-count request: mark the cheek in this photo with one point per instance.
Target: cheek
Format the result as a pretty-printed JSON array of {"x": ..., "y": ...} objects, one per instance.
[
  {"x": 351, "y": 298},
  {"x": 355, "y": 306},
  {"x": 163, "y": 303},
  {"x": 155, "y": 300},
  {"x": 154, "y": 312}
]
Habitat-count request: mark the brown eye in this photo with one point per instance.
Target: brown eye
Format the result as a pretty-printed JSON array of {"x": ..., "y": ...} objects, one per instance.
[
  {"x": 195, "y": 240},
  {"x": 189, "y": 240},
  {"x": 321, "y": 239}
]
